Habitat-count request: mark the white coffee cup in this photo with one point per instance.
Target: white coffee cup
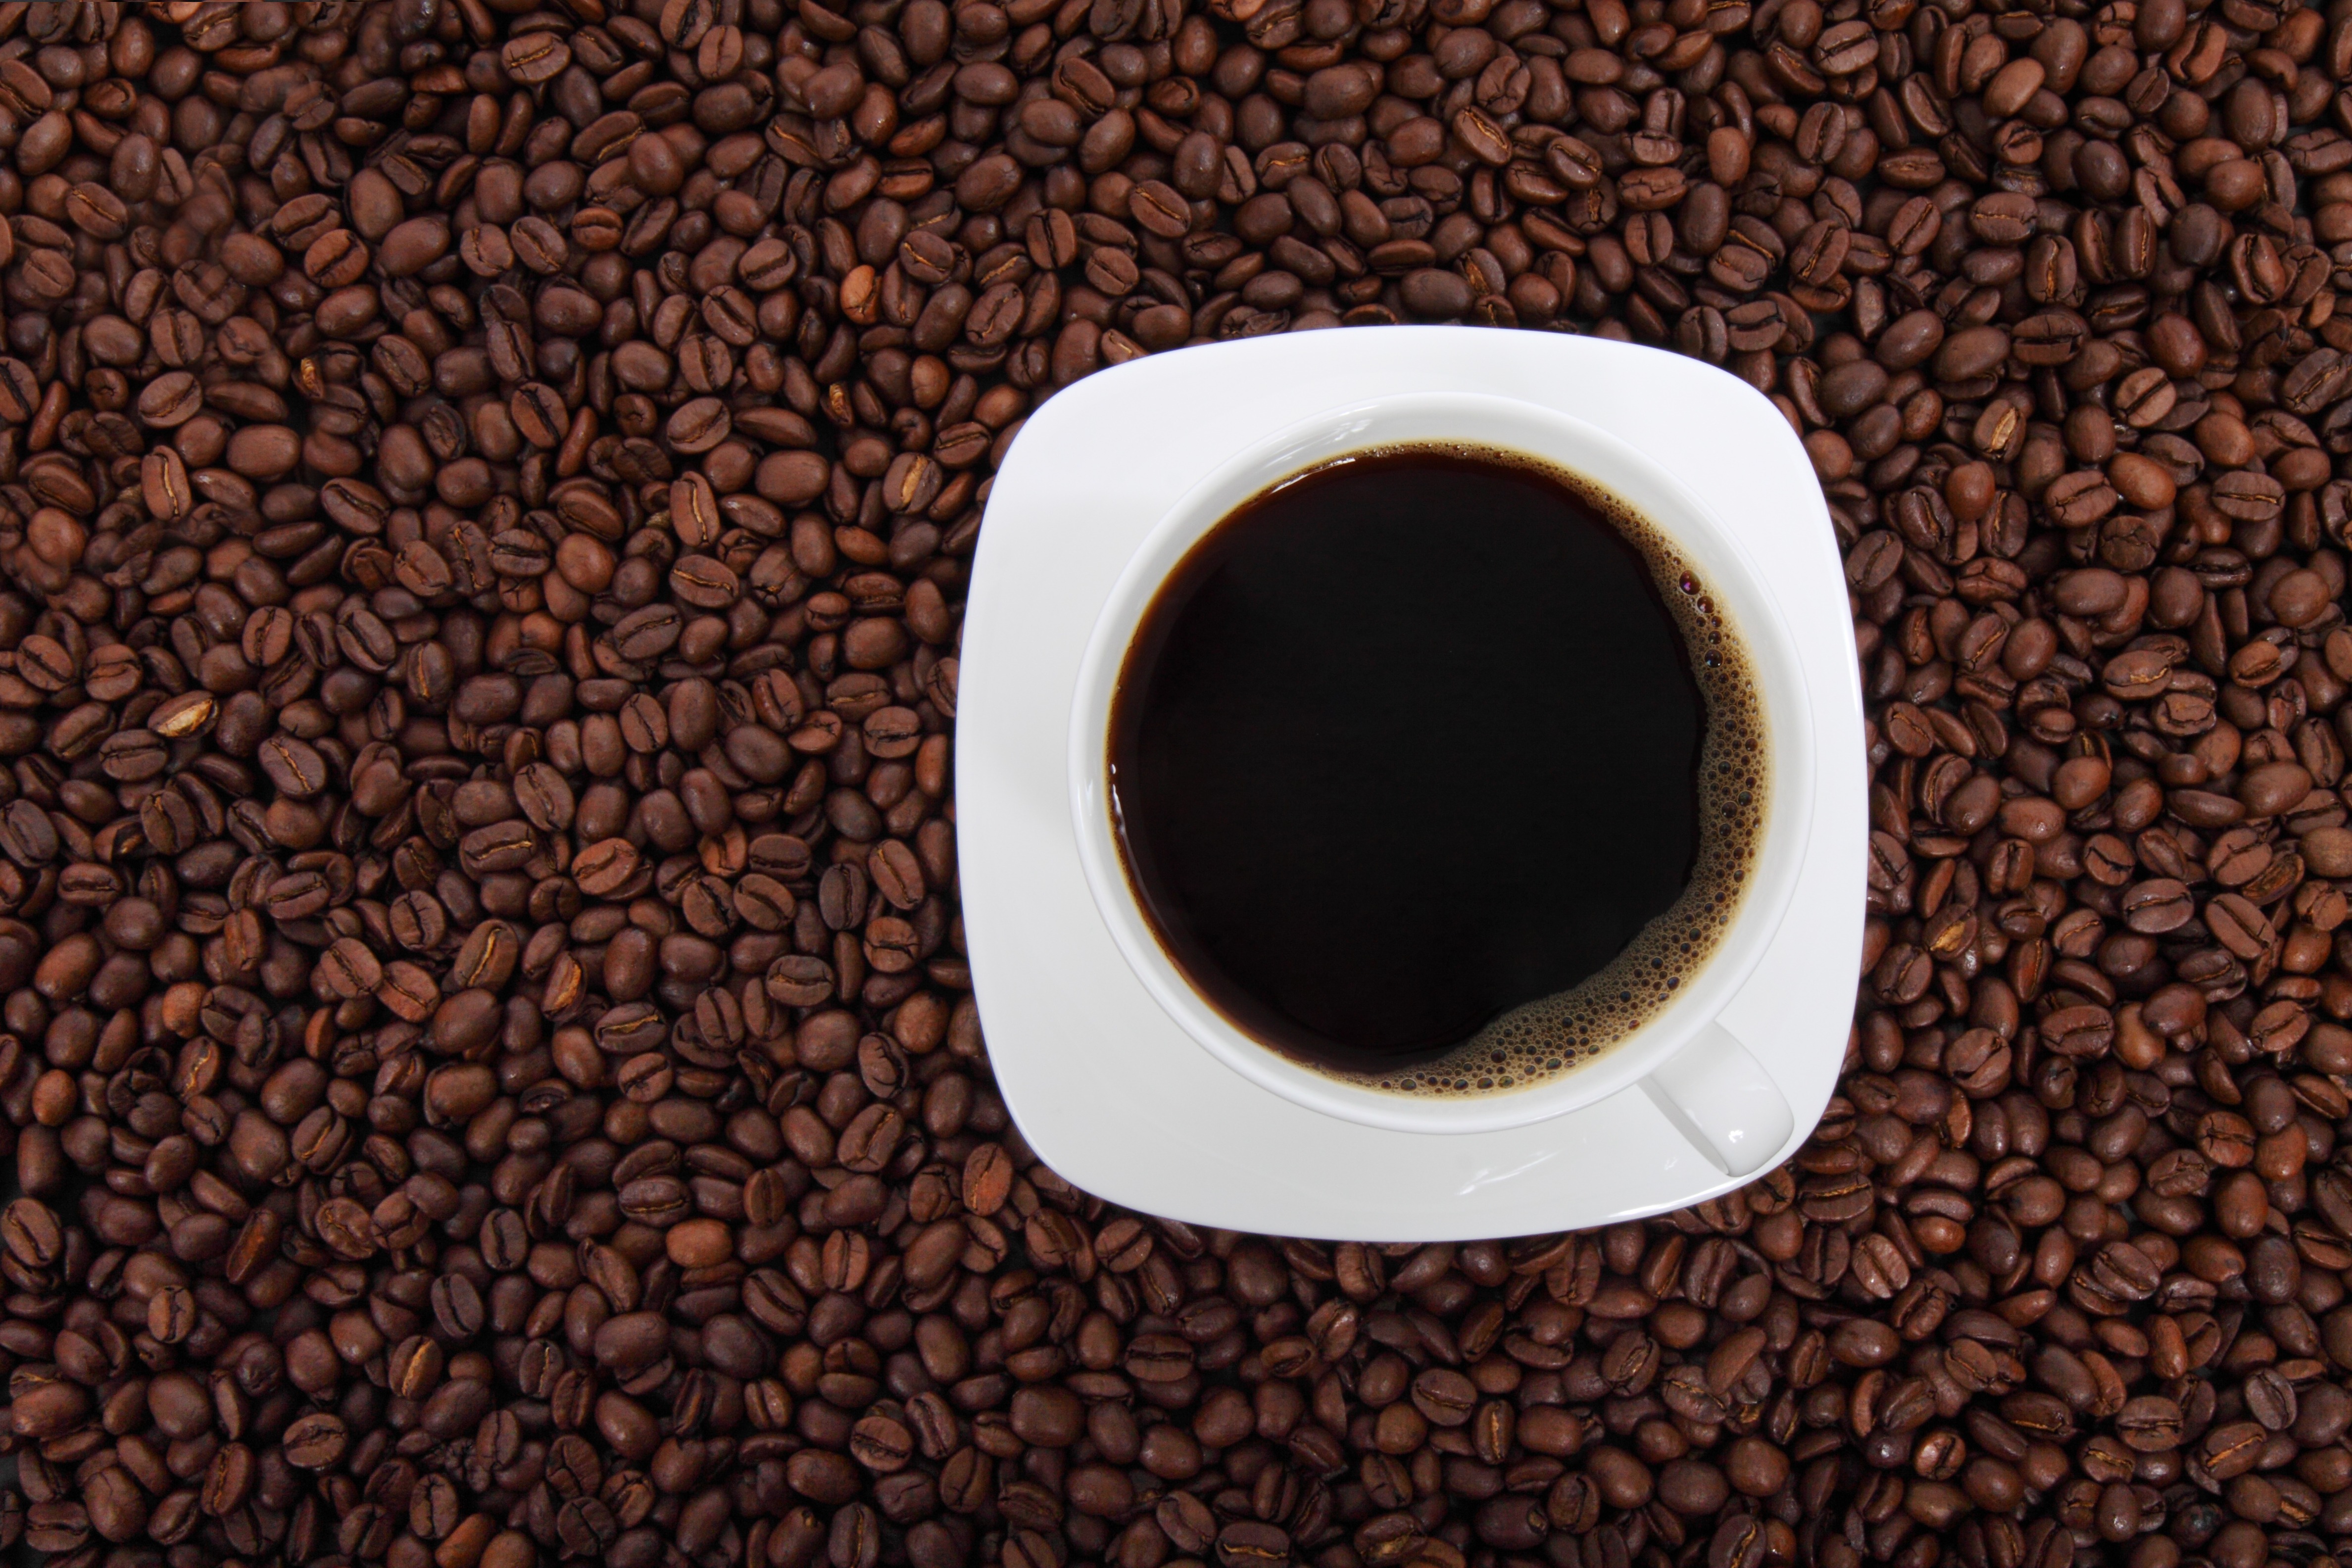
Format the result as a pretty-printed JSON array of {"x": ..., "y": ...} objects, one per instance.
[{"x": 1706, "y": 1083}]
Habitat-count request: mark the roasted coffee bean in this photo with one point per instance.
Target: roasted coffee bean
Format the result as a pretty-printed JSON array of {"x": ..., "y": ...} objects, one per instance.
[{"x": 486, "y": 497}]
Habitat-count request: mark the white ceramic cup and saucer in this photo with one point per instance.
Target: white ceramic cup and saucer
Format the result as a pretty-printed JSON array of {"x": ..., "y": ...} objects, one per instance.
[{"x": 1133, "y": 1085}]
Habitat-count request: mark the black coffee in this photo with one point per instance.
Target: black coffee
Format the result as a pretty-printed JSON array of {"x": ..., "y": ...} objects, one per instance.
[{"x": 1433, "y": 769}]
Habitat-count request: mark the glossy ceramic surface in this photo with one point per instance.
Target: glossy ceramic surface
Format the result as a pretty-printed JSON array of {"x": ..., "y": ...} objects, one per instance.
[
  {"x": 1708, "y": 543},
  {"x": 1104, "y": 1080}
]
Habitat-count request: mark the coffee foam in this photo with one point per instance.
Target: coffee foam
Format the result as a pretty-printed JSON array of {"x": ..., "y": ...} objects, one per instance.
[{"x": 1545, "y": 1039}]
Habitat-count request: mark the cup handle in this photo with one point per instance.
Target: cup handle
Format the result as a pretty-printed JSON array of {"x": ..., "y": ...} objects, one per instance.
[{"x": 1719, "y": 1097}]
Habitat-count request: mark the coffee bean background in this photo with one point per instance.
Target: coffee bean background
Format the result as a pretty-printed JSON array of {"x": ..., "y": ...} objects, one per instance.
[{"x": 485, "y": 494}]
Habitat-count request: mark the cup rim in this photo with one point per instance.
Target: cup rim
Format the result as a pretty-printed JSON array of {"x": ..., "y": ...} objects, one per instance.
[{"x": 1559, "y": 441}]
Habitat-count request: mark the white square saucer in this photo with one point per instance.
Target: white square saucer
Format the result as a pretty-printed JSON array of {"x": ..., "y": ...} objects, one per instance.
[{"x": 1106, "y": 1087}]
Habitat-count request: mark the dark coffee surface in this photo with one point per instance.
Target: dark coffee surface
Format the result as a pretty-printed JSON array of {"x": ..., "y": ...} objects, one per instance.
[{"x": 1401, "y": 744}]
